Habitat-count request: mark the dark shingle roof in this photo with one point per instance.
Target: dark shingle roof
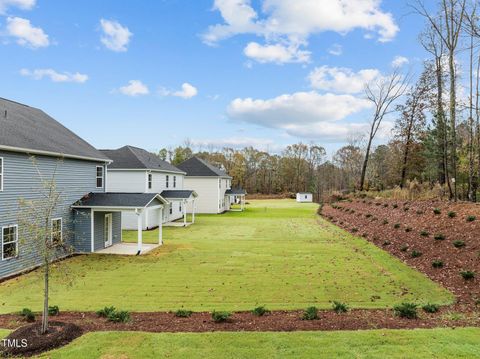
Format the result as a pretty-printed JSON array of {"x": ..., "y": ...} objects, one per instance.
[
  {"x": 197, "y": 167},
  {"x": 110, "y": 199},
  {"x": 29, "y": 128},
  {"x": 235, "y": 191},
  {"x": 129, "y": 157},
  {"x": 183, "y": 194}
]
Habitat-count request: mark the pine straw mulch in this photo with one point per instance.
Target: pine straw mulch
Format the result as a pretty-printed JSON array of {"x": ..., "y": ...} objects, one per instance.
[{"x": 417, "y": 225}]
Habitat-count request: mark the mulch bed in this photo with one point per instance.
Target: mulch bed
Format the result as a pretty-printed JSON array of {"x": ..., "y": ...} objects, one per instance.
[
  {"x": 375, "y": 220},
  {"x": 28, "y": 340},
  {"x": 275, "y": 321}
]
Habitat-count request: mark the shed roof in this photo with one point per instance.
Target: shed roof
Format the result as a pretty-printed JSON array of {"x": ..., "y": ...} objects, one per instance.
[
  {"x": 119, "y": 200},
  {"x": 130, "y": 157},
  {"x": 197, "y": 167},
  {"x": 235, "y": 192},
  {"x": 28, "y": 129}
]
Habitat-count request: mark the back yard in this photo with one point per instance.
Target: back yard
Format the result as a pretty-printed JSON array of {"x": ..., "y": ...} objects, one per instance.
[{"x": 278, "y": 253}]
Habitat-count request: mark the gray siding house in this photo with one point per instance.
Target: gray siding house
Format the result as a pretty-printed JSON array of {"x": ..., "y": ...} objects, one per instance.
[{"x": 34, "y": 145}]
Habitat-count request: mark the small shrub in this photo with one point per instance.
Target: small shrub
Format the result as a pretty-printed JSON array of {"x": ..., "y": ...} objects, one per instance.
[
  {"x": 424, "y": 233},
  {"x": 416, "y": 254},
  {"x": 311, "y": 313},
  {"x": 406, "y": 209},
  {"x": 387, "y": 243},
  {"x": 53, "y": 310},
  {"x": 408, "y": 229},
  {"x": 404, "y": 248},
  {"x": 385, "y": 221},
  {"x": 368, "y": 215},
  {"x": 431, "y": 308},
  {"x": 437, "y": 211},
  {"x": 419, "y": 212},
  {"x": 183, "y": 313},
  {"x": 458, "y": 244},
  {"x": 377, "y": 203},
  {"x": 437, "y": 264},
  {"x": 27, "y": 314},
  {"x": 120, "y": 316},
  {"x": 385, "y": 205},
  {"x": 365, "y": 235},
  {"x": 471, "y": 218},
  {"x": 220, "y": 317},
  {"x": 406, "y": 310},
  {"x": 339, "y": 307},
  {"x": 396, "y": 225},
  {"x": 354, "y": 230},
  {"x": 395, "y": 205},
  {"x": 451, "y": 214},
  {"x": 439, "y": 237},
  {"x": 260, "y": 311},
  {"x": 467, "y": 274},
  {"x": 105, "y": 312}
]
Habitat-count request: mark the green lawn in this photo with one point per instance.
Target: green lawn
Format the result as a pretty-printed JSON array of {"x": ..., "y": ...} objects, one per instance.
[
  {"x": 419, "y": 343},
  {"x": 278, "y": 253}
]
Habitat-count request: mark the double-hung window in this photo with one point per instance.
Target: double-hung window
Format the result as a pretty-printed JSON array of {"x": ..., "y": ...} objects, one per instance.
[
  {"x": 166, "y": 181},
  {"x": 99, "y": 176},
  {"x": 57, "y": 236},
  {"x": 174, "y": 181},
  {"x": 149, "y": 181},
  {"x": 9, "y": 241},
  {"x": 1, "y": 174}
]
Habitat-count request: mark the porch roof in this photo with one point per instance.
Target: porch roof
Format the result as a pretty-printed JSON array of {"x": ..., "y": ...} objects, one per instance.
[
  {"x": 119, "y": 200},
  {"x": 235, "y": 192},
  {"x": 178, "y": 194}
]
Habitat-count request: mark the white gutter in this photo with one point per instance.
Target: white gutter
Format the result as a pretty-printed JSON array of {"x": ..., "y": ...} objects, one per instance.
[{"x": 54, "y": 154}]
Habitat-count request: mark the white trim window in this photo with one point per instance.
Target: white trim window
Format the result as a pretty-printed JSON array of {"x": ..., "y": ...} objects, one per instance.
[
  {"x": 57, "y": 231},
  {"x": 99, "y": 176},
  {"x": 150, "y": 180},
  {"x": 1, "y": 174},
  {"x": 180, "y": 206},
  {"x": 171, "y": 209},
  {"x": 174, "y": 181},
  {"x": 167, "y": 178},
  {"x": 9, "y": 241}
]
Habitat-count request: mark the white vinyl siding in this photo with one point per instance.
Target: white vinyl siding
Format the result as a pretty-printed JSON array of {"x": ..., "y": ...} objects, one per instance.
[
  {"x": 100, "y": 176},
  {"x": 9, "y": 241},
  {"x": 57, "y": 228},
  {"x": 127, "y": 181},
  {"x": 1, "y": 174},
  {"x": 209, "y": 193}
]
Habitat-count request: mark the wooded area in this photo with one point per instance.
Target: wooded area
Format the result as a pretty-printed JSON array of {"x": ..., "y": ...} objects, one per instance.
[{"x": 435, "y": 141}]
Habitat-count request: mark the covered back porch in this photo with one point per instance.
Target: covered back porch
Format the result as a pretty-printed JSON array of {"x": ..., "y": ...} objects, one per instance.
[
  {"x": 98, "y": 221},
  {"x": 236, "y": 196},
  {"x": 181, "y": 198}
]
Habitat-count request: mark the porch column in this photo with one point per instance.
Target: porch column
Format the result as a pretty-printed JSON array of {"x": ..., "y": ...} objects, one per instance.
[
  {"x": 184, "y": 210},
  {"x": 139, "y": 231},
  {"x": 160, "y": 226},
  {"x": 193, "y": 211}
]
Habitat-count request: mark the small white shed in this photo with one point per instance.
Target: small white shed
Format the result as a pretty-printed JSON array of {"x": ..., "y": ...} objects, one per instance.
[{"x": 304, "y": 197}]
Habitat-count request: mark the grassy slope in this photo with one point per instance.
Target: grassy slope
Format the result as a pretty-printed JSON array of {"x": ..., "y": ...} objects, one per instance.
[
  {"x": 420, "y": 343},
  {"x": 277, "y": 253}
]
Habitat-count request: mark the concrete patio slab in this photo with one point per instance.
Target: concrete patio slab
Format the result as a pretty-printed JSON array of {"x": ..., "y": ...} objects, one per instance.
[{"x": 129, "y": 249}]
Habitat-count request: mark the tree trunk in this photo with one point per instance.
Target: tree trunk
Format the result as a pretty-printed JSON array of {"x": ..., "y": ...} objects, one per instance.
[
  {"x": 365, "y": 163},
  {"x": 45, "y": 299}
]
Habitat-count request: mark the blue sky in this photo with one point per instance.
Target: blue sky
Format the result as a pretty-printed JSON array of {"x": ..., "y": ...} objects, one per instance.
[{"x": 271, "y": 73}]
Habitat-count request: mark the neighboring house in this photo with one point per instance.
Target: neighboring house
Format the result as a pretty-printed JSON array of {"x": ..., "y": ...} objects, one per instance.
[
  {"x": 135, "y": 170},
  {"x": 304, "y": 197},
  {"x": 33, "y": 143},
  {"x": 212, "y": 185}
]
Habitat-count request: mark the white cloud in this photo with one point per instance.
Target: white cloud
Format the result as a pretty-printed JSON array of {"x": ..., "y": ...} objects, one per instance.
[
  {"x": 237, "y": 142},
  {"x": 335, "y": 50},
  {"x": 276, "y": 53},
  {"x": 341, "y": 80},
  {"x": 400, "y": 61},
  {"x": 54, "y": 76},
  {"x": 115, "y": 36},
  {"x": 304, "y": 114},
  {"x": 21, "y": 4},
  {"x": 26, "y": 34},
  {"x": 134, "y": 88},
  {"x": 188, "y": 91},
  {"x": 293, "y": 22}
]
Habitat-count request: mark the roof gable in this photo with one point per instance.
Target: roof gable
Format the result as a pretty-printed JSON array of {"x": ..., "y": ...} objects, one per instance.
[
  {"x": 129, "y": 157},
  {"x": 197, "y": 167},
  {"x": 31, "y": 130}
]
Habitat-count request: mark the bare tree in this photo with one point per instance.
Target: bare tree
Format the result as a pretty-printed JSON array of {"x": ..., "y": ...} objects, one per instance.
[
  {"x": 45, "y": 236},
  {"x": 382, "y": 92},
  {"x": 452, "y": 16}
]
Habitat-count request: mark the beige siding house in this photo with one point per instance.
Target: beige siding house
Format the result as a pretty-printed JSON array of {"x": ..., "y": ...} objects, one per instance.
[{"x": 211, "y": 184}]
